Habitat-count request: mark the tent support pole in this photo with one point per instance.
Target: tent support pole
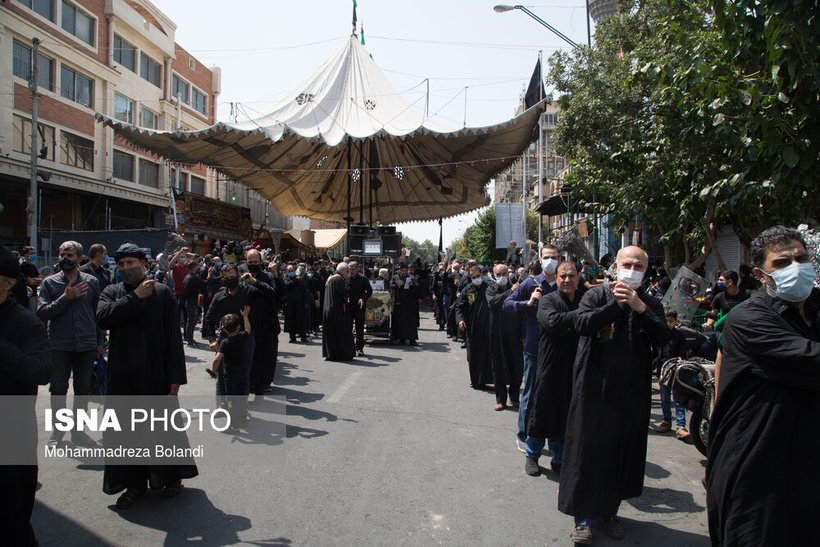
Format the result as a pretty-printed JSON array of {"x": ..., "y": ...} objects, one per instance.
[
  {"x": 349, "y": 176},
  {"x": 361, "y": 183}
]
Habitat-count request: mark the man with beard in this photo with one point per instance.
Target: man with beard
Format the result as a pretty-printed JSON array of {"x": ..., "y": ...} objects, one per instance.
[
  {"x": 556, "y": 355},
  {"x": 337, "y": 335},
  {"x": 605, "y": 441},
  {"x": 145, "y": 357},
  {"x": 297, "y": 301},
  {"x": 314, "y": 289},
  {"x": 264, "y": 321},
  {"x": 405, "y": 294},
  {"x": 506, "y": 350},
  {"x": 25, "y": 363},
  {"x": 451, "y": 286},
  {"x": 473, "y": 319},
  {"x": 194, "y": 287},
  {"x": 360, "y": 292}
]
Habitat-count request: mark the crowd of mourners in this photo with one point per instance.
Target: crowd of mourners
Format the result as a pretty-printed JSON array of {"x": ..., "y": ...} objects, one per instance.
[{"x": 571, "y": 346}]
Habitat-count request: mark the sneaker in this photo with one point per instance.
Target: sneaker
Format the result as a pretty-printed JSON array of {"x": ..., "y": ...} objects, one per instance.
[
  {"x": 360, "y": 353},
  {"x": 519, "y": 444},
  {"x": 613, "y": 528},
  {"x": 683, "y": 434},
  {"x": 582, "y": 535},
  {"x": 663, "y": 427},
  {"x": 80, "y": 438},
  {"x": 531, "y": 467}
]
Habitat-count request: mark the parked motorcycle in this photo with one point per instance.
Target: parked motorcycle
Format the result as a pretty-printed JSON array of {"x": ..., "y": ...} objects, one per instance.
[{"x": 692, "y": 381}]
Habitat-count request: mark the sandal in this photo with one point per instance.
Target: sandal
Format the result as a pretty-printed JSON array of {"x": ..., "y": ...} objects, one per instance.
[
  {"x": 171, "y": 490},
  {"x": 128, "y": 497}
]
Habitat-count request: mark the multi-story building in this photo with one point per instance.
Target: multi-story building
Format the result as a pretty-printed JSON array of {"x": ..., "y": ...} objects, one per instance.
[
  {"x": 118, "y": 58},
  {"x": 509, "y": 185}
]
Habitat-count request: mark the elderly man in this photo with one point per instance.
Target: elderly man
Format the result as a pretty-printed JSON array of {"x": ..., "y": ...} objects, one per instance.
[
  {"x": 605, "y": 441},
  {"x": 761, "y": 473},
  {"x": 67, "y": 302},
  {"x": 337, "y": 334},
  {"x": 556, "y": 356},
  {"x": 506, "y": 350}
]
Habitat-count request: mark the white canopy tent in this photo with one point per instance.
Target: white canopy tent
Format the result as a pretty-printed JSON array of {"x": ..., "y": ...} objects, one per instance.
[{"x": 344, "y": 144}]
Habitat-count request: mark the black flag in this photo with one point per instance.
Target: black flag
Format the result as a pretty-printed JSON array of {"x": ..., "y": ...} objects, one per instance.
[
  {"x": 535, "y": 91},
  {"x": 354, "y": 16}
]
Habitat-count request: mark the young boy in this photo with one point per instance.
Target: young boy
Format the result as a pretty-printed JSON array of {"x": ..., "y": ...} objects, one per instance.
[
  {"x": 676, "y": 347},
  {"x": 232, "y": 365}
]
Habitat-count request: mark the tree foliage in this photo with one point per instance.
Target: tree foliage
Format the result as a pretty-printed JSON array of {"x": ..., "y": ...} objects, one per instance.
[
  {"x": 426, "y": 250},
  {"x": 694, "y": 115}
]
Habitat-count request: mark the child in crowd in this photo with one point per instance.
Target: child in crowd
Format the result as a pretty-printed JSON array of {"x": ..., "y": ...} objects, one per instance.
[
  {"x": 676, "y": 347},
  {"x": 232, "y": 365}
]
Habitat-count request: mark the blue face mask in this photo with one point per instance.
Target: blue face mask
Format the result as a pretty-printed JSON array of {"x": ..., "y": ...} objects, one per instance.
[
  {"x": 291, "y": 274},
  {"x": 794, "y": 282},
  {"x": 720, "y": 285},
  {"x": 105, "y": 259},
  {"x": 32, "y": 257},
  {"x": 502, "y": 281},
  {"x": 477, "y": 281},
  {"x": 486, "y": 278}
]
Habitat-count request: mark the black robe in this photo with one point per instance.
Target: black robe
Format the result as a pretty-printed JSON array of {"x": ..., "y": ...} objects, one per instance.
[
  {"x": 552, "y": 389},
  {"x": 506, "y": 349},
  {"x": 296, "y": 302},
  {"x": 337, "y": 331},
  {"x": 472, "y": 308},
  {"x": 404, "y": 321},
  {"x": 314, "y": 287},
  {"x": 605, "y": 441},
  {"x": 436, "y": 288},
  {"x": 145, "y": 357},
  {"x": 25, "y": 363},
  {"x": 761, "y": 473}
]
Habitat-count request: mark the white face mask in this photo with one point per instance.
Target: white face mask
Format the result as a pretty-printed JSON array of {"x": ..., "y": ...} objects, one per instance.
[
  {"x": 549, "y": 265},
  {"x": 502, "y": 281},
  {"x": 631, "y": 278}
]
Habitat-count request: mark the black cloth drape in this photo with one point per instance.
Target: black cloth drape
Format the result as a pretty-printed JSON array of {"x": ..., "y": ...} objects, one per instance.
[{"x": 337, "y": 333}]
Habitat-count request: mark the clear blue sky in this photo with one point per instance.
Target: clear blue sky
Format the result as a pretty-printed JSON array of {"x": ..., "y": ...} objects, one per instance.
[{"x": 265, "y": 47}]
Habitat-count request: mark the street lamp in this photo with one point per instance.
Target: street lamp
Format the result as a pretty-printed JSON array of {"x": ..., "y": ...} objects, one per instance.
[{"x": 502, "y": 8}]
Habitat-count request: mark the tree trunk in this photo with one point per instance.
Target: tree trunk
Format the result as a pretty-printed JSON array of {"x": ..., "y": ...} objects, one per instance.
[
  {"x": 708, "y": 219},
  {"x": 667, "y": 257},
  {"x": 687, "y": 253}
]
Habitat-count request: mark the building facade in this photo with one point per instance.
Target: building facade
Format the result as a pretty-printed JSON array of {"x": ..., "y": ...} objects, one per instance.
[{"x": 118, "y": 58}]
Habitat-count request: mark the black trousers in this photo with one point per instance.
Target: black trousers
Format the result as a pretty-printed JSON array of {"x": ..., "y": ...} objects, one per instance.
[
  {"x": 357, "y": 319},
  {"x": 16, "y": 503}
]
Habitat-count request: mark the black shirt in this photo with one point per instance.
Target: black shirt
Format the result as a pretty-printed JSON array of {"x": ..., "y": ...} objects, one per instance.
[
  {"x": 725, "y": 302},
  {"x": 236, "y": 353}
]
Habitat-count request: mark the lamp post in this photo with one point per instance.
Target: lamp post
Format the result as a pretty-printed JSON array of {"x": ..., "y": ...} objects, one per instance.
[{"x": 502, "y": 8}]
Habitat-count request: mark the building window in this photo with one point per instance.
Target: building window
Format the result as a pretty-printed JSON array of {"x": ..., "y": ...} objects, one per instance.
[
  {"x": 123, "y": 165},
  {"x": 123, "y": 109},
  {"x": 75, "y": 86},
  {"x": 197, "y": 185},
  {"x": 125, "y": 54},
  {"x": 22, "y": 138},
  {"x": 149, "y": 173},
  {"x": 199, "y": 101},
  {"x": 79, "y": 24},
  {"x": 43, "y": 7},
  {"x": 148, "y": 118},
  {"x": 179, "y": 89},
  {"x": 76, "y": 151},
  {"x": 150, "y": 69},
  {"x": 21, "y": 66},
  {"x": 182, "y": 185}
]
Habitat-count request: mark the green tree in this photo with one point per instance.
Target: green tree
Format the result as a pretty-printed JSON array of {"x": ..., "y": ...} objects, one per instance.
[{"x": 426, "y": 250}]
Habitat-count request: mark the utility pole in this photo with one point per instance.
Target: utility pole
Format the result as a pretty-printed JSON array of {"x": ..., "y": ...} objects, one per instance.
[
  {"x": 427, "y": 99},
  {"x": 540, "y": 159},
  {"x": 176, "y": 171},
  {"x": 32, "y": 202}
]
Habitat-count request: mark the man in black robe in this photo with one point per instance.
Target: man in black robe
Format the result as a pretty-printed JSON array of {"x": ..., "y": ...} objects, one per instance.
[
  {"x": 145, "y": 357},
  {"x": 552, "y": 391},
  {"x": 264, "y": 320},
  {"x": 337, "y": 332},
  {"x": 316, "y": 287},
  {"x": 473, "y": 319},
  {"x": 437, "y": 292},
  {"x": 605, "y": 441},
  {"x": 360, "y": 291},
  {"x": 506, "y": 349},
  {"x": 405, "y": 306},
  {"x": 25, "y": 363},
  {"x": 761, "y": 473},
  {"x": 297, "y": 301}
]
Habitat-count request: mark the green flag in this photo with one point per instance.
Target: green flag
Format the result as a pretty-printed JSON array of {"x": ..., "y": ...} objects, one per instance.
[{"x": 362, "y": 33}]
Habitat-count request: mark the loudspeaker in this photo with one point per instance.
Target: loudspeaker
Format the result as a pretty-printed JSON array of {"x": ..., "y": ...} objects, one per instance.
[
  {"x": 386, "y": 230},
  {"x": 357, "y": 244},
  {"x": 391, "y": 244},
  {"x": 359, "y": 230}
]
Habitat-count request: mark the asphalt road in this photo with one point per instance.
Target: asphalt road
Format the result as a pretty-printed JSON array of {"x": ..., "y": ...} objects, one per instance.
[{"x": 392, "y": 448}]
